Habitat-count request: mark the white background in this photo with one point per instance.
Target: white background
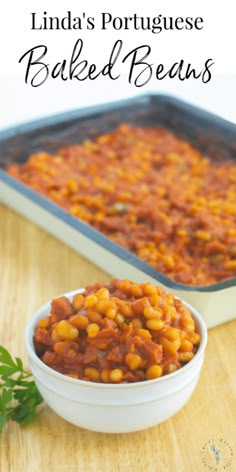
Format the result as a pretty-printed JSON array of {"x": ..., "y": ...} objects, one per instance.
[{"x": 20, "y": 102}]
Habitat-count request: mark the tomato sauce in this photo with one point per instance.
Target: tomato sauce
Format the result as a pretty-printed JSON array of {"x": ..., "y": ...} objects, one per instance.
[
  {"x": 117, "y": 333},
  {"x": 150, "y": 192}
]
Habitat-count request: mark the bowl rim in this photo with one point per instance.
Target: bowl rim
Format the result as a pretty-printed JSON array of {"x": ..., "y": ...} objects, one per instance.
[{"x": 40, "y": 313}]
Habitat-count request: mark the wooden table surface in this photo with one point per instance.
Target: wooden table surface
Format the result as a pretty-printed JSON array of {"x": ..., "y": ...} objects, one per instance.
[{"x": 36, "y": 267}]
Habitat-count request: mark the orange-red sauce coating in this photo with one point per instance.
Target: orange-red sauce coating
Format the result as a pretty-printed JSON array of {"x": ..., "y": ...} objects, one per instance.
[
  {"x": 117, "y": 333},
  {"x": 151, "y": 193}
]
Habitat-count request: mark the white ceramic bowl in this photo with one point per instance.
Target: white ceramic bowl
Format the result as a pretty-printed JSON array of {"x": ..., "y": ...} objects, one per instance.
[{"x": 118, "y": 408}]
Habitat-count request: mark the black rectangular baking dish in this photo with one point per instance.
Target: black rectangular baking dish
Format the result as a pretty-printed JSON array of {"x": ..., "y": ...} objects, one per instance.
[{"x": 207, "y": 132}]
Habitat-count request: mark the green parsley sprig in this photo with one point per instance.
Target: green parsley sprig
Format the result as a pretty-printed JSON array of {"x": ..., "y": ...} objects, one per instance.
[{"x": 19, "y": 396}]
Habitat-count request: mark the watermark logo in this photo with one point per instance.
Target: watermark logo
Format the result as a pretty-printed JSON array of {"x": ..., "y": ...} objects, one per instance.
[{"x": 217, "y": 455}]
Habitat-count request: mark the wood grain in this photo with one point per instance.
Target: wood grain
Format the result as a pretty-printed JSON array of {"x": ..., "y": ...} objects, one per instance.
[{"x": 35, "y": 267}]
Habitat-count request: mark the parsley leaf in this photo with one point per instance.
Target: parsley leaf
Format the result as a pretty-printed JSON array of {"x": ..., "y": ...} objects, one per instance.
[{"x": 19, "y": 396}]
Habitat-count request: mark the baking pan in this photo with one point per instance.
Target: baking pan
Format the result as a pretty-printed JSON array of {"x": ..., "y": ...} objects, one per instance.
[{"x": 207, "y": 132}]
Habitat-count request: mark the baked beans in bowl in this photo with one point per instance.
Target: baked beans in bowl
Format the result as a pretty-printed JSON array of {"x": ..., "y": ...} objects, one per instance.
[{"x": 116, "y": 358}]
